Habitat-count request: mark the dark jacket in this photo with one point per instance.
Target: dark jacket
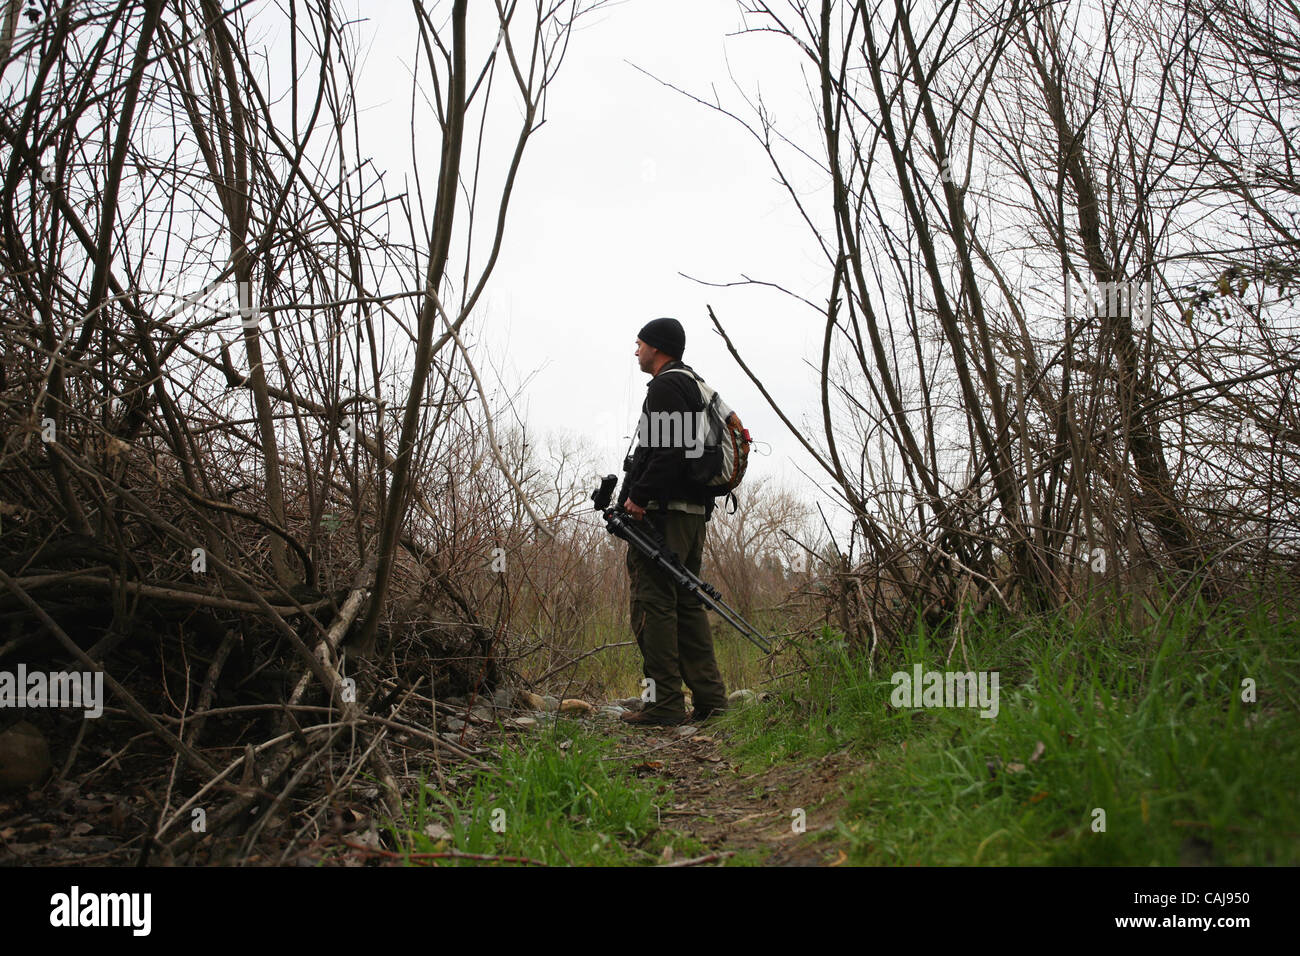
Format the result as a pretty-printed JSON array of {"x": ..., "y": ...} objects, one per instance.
[{"x": 658, "y": 474}]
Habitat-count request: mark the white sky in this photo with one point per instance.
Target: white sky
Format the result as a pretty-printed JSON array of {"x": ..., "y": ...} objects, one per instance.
[{"x": 627, "y": 185}]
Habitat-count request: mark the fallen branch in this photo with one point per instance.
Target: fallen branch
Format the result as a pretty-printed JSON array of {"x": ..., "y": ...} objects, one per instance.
[
  {"x": 697, "y": 861},
  {"x": 444, "y": 855}
]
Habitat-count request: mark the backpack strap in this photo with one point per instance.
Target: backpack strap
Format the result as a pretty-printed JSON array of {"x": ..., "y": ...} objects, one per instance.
[
  {"x": 687, "y": 370},
  {"x": 684, "y": 370}
]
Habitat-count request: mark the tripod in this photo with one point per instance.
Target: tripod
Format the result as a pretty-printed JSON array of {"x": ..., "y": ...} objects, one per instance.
[{"x": 642, "y": 537}]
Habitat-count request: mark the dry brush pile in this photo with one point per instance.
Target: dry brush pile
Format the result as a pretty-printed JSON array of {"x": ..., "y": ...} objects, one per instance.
[
  {"x": 1059, "y": 327},
  {"x": 248, "y": 469}
]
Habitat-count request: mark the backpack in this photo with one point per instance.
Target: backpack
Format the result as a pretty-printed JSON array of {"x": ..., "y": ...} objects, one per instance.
[{"x": 720, "y": 469}]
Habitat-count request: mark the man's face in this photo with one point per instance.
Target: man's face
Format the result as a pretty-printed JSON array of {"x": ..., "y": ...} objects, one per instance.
[{"x": 645, "y": 357}]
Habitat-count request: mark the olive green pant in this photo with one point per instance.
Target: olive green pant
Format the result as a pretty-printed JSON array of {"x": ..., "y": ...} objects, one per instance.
[{"x": 670, "y": 623}]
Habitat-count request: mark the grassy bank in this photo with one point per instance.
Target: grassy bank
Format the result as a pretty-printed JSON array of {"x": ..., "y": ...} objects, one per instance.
[
  {"x": 1141, "y": 729},
  {"x": 1114, "y": 743},
  {"x": 556, "y": 798}
]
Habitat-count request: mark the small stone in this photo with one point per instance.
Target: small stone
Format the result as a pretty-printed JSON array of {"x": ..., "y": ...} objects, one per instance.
[
  {"x": 742, "y": 696},
  {"x": 687, "y": 731},
  {"x": 572, "y": 705},
  {"x": 550, "y": 703},
  {"x": 454, "y": 701},
  {"x": 24, "y": 757},
  {"x": 523, "y": 723},
  {"x": 454, "y": 723},
  {"x": 631, "y": 703},
  {"x": 503, "y": 697},
  {"x": 436, "y": 831},
  {"x": 482, "y": 712},
  {"x": 613, "y": 710},
  {"x": 529, "y": 701}
]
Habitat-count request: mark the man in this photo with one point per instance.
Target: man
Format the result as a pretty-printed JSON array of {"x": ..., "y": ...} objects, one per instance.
[{"x": 671, "y": 626}]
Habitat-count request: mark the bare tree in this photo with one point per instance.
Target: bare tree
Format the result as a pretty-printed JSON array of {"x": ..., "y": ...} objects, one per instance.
[{"x": 205, "y": 352}]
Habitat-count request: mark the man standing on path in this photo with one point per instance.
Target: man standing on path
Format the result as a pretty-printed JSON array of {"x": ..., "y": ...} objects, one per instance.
[{"x": 670, "y": 623}]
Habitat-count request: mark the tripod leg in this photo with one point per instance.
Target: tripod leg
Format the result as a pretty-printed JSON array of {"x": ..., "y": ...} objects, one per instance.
[{"x": 657, "y": 554}]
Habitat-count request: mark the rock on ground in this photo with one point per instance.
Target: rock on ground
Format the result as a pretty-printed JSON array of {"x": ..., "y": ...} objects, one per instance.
[
  {"x": 24, "y": 757},
  {"x": 529, "y": 701}
]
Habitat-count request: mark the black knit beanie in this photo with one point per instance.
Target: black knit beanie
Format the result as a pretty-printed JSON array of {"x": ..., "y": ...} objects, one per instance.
[{"x": 667, "y": 335}]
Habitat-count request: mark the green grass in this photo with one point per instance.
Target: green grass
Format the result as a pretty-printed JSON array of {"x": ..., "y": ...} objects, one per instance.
[
  {"x": 554, "y": 799},
  {"x": 616, "y": 671},
  {"x": 1144, "y": 722}
]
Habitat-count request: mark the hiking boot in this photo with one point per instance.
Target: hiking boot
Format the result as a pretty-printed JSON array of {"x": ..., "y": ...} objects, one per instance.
[
  {"x": 642, "y": 719},
  {"x": 700, "y": 714}
]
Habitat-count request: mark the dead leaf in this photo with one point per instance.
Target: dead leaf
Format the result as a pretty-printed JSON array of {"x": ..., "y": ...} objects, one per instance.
[
  {"x": 350, "y": 818},
  {"x": 436, "y": 831},
  {"x": 1040, "y": 795},
  {"x": 1038, "y": 751},
  {"x": 1015, "y": 767},
  {"x": 839, "y": 859}
]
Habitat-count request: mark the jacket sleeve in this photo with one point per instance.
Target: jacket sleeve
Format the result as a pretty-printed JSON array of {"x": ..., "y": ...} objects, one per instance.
[{"x": 665, "y": 468}]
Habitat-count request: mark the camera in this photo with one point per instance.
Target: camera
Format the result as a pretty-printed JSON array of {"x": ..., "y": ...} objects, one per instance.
[{"x": 600, "y": 497}]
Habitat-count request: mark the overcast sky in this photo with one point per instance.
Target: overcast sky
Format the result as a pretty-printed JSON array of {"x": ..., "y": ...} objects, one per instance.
[{"x": 626, "y": 186}]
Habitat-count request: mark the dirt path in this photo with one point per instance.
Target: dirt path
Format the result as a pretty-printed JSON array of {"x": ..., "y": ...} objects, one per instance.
[
  {"x": 750, "y": 814},
  {"x": 739, "y": 816}
]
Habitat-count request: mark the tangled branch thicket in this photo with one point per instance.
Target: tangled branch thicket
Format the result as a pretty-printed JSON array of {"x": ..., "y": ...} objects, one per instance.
[
  {"x": 247, "y": 465},
  {"x": 1059, "y": 342}
]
